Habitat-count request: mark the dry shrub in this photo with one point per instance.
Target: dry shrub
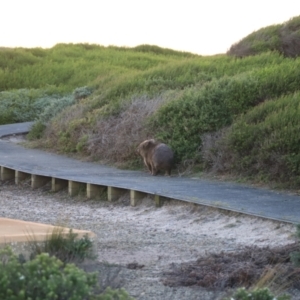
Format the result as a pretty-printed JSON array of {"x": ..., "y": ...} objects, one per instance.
[
  {"x": 214, "y": 152},
  {"x": 115, "y": 138},
  {"x": 251, "y": 266},
  {"x": 290, "y": 43},
  {"x": 241, "y": 49},
  {"x": 284, "y": 38}
]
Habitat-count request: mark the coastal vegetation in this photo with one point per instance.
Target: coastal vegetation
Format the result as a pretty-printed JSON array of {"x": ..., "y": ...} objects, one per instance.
[{"x": 236, "y": 114}]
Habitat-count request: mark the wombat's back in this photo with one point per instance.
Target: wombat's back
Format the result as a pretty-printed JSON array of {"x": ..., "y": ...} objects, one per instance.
[{"x": 163, "y": 158}]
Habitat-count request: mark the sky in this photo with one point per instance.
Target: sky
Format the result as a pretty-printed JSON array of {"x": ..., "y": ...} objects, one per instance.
[{"x": 204, "y": 27}]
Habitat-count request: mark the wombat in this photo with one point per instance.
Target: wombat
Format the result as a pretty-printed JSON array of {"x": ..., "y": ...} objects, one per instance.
[{"x": 157, "y": 156}]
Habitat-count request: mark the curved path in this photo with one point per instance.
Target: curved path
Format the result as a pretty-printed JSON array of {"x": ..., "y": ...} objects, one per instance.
[{"x": 230, "y": 196}]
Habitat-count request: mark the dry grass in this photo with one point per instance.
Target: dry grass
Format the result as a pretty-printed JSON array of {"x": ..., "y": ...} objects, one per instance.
[
  {"x": 216, "y": 157},
  {"x": 253, "y": 266}
]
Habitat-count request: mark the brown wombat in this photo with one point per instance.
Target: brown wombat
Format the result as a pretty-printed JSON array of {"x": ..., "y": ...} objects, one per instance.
[{"x": 157, "y": 156}]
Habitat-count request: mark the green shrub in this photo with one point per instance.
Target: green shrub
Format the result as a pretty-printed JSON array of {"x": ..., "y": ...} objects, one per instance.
[
  {"x": 36, "y": 131},
  {"x": 18, "y": 105},
  {"x": 47, "y": 278},
  {"x": 259, "y": 294},
  {"x": 24, "y": 105},
  {"x": 54, "y": 107},
  {"x": 265, "y": 141},
  {"x": 82, "y": 92},
  {"x": 44, "y": 277},
  {"x": 184, "y": 120}
]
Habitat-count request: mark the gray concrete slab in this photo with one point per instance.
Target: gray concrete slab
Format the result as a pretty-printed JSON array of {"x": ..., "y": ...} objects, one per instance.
[{"x": 225, "y": 195}]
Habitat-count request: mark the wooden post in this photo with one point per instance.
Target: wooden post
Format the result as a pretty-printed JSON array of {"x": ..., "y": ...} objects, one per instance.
[
  {"x": 7, "y": 173},
  {"x": 114, "y": 193},
  {"x": 158, "y": 200},
  {"x": 135, "y": 196},
  {"x": 39, "y": 180},
  {"x": 94, "y": 190},
  {"x": 21, "y": 176},
  {"x": 58, "y": 184},
  {"x": 75, "y": 187}
]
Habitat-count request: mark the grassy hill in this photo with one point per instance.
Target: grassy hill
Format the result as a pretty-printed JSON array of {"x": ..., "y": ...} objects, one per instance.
[{"x": 235, "y": 113}]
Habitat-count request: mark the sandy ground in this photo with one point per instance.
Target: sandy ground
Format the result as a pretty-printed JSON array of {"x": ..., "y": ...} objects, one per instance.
[{"x": 136, "y": 245}]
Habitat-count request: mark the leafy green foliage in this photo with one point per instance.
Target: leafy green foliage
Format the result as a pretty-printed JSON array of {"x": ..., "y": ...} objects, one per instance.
[
  {"x": 205, "y": 94},
  {"x": 70, "y": 66},
  {"x": 258, "y": 294},
  {"x": 82, "y": 92},
  {"x": 36, "y": 131},
  {"x": 46, "y": 277},
  {"x": 181, "y": 122},
  {"x": 17, "y": 106},
  {"x": 27, "y": 105},
  {"x": 52, "y": 108},
  {"x": 265, "y": 141}
]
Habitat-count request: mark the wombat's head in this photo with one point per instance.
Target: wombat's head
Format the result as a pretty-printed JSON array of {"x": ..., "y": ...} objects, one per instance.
[{"x": 145, "y": 146}]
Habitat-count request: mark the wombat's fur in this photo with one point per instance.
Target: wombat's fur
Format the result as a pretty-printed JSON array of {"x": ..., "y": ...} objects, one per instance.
[{"x": 157, "y": 156}]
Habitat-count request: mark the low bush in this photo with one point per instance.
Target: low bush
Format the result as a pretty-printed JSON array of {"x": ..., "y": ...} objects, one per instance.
[
  {"x": 36, "y": 131},
  {"x": 196, "y": 111},
  {"x": 52, "y": 108},
  {"x": 264, "y": 142},
  {"x": 47, "y": 278},
  {"x": 28, "y": 104},
  {"x": 82, "y": 92},
  {"x": 44, "y": 277},
  {"x": 18, "y": 105}
]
